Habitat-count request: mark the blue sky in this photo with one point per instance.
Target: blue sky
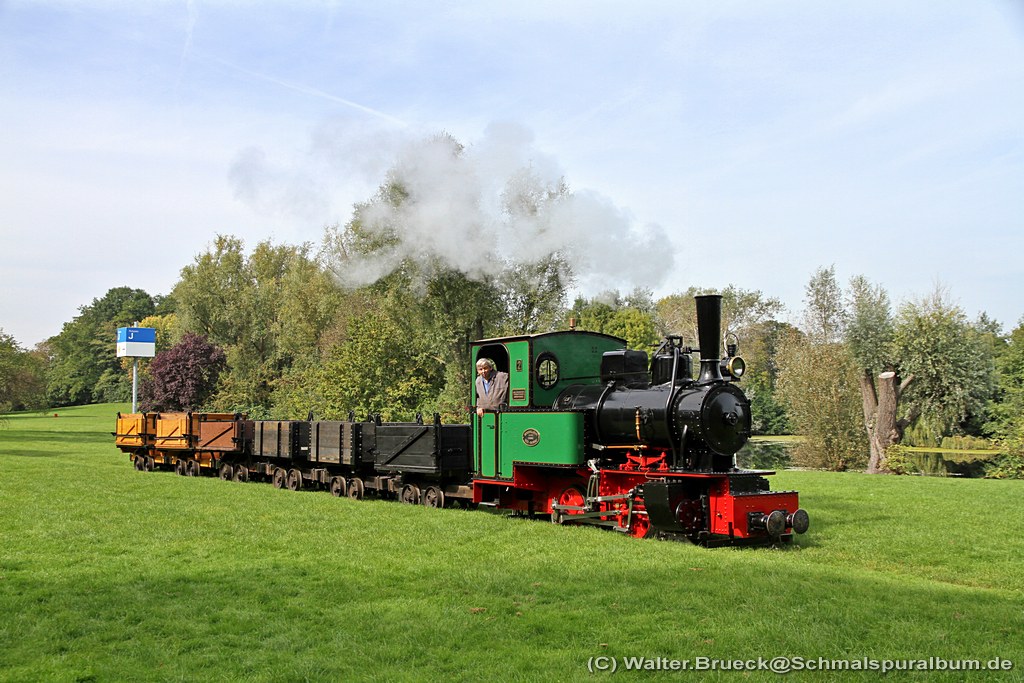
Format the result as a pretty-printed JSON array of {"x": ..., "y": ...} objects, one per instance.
[{"x": 752, "y": 141}]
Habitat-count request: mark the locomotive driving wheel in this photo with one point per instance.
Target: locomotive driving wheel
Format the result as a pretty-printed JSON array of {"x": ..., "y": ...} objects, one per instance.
[
  {"x": 571, "y": 496},
  {"x": 639, "y": 522},
  {"x": 640, "y": 525}
]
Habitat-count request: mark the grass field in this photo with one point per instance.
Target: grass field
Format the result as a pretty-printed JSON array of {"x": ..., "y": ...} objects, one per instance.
[{"x": 109, "y": 574}]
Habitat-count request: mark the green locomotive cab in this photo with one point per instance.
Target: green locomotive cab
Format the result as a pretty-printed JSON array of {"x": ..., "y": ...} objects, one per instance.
[{"x": 530, "y": 431}]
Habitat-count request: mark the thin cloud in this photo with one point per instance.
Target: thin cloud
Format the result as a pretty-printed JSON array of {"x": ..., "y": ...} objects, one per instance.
[{"x": 315, "y": 92}]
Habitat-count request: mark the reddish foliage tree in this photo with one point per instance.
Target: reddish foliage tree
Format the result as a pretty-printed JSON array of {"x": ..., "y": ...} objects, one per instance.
[{"x": 184, "y": 376}]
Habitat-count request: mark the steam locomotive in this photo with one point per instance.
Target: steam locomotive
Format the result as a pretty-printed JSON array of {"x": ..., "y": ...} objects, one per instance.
[{"x": 593, "y": 433}]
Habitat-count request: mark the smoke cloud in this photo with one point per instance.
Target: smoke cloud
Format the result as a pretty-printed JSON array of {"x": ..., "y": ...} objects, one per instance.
[{"x": 496, "y": 201}]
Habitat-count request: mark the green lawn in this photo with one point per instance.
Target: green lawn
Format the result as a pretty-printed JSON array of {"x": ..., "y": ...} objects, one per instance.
[{"x": 109, "y": 574}]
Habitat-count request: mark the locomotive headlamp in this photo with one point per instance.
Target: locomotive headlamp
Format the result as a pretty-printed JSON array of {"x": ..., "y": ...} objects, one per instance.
[
  {"x": 732, "y": 343},
  {"x": 734, "y": 367}
]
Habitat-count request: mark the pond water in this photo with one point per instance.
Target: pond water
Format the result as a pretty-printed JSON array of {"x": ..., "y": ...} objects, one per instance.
[
  {"x": 777, "y": 455},
  {"x": 947, "y": 464},
  {"x": 764, "y": 455}
]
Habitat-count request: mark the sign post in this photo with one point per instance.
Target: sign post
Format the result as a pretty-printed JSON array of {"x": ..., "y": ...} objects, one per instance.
[{"x": 136, "y": 342}]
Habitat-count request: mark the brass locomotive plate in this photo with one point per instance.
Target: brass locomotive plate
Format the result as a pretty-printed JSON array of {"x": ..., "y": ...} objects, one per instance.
[{"x": 531, "y": 437}]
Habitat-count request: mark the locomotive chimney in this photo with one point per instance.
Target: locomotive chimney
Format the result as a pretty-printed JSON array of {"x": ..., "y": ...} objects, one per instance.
[{"x": 709, "y": 336}]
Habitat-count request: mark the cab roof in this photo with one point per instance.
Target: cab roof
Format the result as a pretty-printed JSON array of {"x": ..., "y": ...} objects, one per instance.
[{"x": 544, "y": 335}]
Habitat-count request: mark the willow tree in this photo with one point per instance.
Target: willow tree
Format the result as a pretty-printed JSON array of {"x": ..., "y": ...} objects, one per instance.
[
  {"x": 870, "y": 335},
  {"x": 951, "y": 360},
  {"x": 925, "y": 362},
  {"x": 928, "y": 362}
]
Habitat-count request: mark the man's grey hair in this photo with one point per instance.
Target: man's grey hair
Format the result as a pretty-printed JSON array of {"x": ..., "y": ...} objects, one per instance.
[{"x": 486, "y": 361}]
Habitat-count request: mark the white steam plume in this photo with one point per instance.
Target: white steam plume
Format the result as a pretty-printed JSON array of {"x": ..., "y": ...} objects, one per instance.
[{"x": 498, "y": 201}]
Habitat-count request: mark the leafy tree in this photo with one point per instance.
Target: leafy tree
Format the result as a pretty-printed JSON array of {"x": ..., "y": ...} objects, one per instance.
[
  {"x": 630, "y": 317},
  {"x": 825, "y": 317},
  {"x": 950, "y": 360},
  {"x": 927, "y": 361},
  {"x": 741, "y": 310},
  {"x": 376, "y": 368},
  {"x": 1006, "y": 421},
  {"x": 454, "y": 311},
  {"x": 84, "y": 350},
  {"x": 819, "y": 385},
  {"x": 818, "y": 382},
  {"x": 762, "y": 344},
  {"x": 445, "y": 296},
  {"x": 533, "y": 295},
  {"x": 210, "y": 290},
  {"x": 532, "y": 291},
  {"x": 184, "y": 376},
  {"x": 636, "y": 327},
  {"x": 22, "y": 376},
  {"x": 267, "y": 310},
  {"x": 113, "y": 386},
  {"x": 870, "y": 334}
]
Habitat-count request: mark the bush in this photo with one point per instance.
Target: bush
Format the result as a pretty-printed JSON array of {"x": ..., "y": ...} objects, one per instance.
[
  {"x": 114, "y": 387},
  {"x": 819, "y": 385},
  {"x": 898, "y": 461},
  {"x": 1010, "y": 463},
  {"x": 966, "y": 443},
  {"x": 184, "y": 376}
]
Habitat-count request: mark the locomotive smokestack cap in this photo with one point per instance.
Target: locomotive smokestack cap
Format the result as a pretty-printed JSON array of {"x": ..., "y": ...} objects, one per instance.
[{"x": 709, "y": 336}]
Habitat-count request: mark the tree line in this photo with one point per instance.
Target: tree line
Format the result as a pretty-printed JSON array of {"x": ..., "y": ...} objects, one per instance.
[
  {"x": 288, "y": 330},
  {"x": 270, "y": 332}
]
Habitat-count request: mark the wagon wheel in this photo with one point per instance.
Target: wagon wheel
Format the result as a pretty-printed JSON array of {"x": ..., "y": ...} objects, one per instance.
[
  {"x": 150, "y": 463},
  {"x": 225, "y": 471},
  {"x": 179, "y": 467},
  {"x": 433, "y": 497},
  {"x": 294, "y": 480},
  {"x": 410, "y": 494},
  {"x": 140, "y": 463},
  {"x": 338, "y": 486},
  {"x": 241, "y": 474},
  {"x": 570, "y": 496},
  {"x": 355, "y": 489},
  {"x": 280, "y": 476},
  {"x": 192, "y": 468}
]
